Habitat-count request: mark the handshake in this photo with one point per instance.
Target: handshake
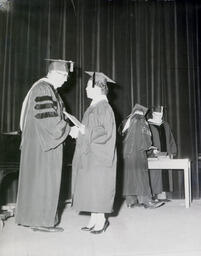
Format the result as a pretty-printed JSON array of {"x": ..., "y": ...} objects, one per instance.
[{"x": 74, "y": 131}]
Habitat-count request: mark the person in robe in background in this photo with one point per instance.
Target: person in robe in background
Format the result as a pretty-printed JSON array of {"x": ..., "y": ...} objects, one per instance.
[
  {"x": 94, "y": 161},
  {"x": 163, "y": 140},
  {"x": 44, "y": 129},
  {"x": 137, "y": 141}
]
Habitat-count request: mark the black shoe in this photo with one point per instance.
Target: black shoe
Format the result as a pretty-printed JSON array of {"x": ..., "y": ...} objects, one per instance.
[
  {"x": 48, "y": 229},
  {"x": 131, "y": 205},
  {"x": 153, "y": 205},
  {"x": 164, "y": 200},
  {"x": 161, "y": 200},
  {"x": 134, "y": 205},
  {"x": 87, "y": 229},
  {"x": 106, "y": 225}
]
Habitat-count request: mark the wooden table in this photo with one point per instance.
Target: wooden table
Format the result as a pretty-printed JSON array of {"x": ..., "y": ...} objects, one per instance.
[{"x": 175, "y": 164}]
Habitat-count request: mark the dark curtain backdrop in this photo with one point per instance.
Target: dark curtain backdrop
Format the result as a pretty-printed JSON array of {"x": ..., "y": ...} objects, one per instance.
[{"x": 150, "y": 48}]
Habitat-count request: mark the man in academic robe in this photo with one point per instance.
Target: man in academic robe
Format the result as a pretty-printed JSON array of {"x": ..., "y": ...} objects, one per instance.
[
  {"x": 137, "y": 141},
  {"x": 163, "y": 140},
  {"x": 44, "y": 129}
]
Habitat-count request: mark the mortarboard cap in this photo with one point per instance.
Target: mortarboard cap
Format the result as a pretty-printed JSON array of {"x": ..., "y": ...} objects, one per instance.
[
  {"x": 60, "y": 65},
  {"x": 99, "y": 77},
  {"x": 139, "y": 107},
  {"x": 157, "y": 108}
]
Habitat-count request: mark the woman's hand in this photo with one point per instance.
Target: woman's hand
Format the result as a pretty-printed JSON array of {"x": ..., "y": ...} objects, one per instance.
[{"x": 74, "y": 132}]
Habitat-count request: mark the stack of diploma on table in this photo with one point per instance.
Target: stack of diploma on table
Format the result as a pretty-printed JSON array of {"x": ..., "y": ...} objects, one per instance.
[{"x": 159, "y": 156}]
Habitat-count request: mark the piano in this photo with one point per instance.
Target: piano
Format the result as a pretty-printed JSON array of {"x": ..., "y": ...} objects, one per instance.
[
  {"x": 9, "y": 154},
  {"x": 9, "y": 169}
]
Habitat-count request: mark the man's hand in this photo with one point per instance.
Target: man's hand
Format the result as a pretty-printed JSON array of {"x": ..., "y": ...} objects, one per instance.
[{"x": 154, "y": 150}]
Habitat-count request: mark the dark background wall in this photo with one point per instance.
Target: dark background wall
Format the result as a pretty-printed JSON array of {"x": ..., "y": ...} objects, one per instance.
[{"x": 150, "y": 48}]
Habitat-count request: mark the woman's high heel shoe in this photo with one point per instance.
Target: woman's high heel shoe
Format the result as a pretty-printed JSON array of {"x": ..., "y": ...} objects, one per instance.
[
  {"x": 87, "y": 229},
  {"x": 101, "y": 230}
]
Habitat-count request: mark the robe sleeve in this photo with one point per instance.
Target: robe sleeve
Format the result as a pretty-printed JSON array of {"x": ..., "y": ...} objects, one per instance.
[
  {"x": 103, "y": 132},
  {"x": 145, "y": 139},
  {"x": 51, "y": 127},
  {"x": 171, "y": 144}
]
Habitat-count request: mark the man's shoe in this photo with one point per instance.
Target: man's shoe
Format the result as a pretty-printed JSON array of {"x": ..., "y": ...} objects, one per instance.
[
  {"x": 165, "y": 200},
  {"x": 48, "y": 229},
  {"x": 56, "y": 229},
  {"x": 131, "y": 205},
  {"x": 153, "y": 205},
  {"x": 134, "y": 205}
]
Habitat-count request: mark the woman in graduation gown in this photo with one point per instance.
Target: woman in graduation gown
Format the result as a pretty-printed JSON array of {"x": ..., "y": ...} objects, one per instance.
[
  {"x": 137, "y": 141},
  {"x": 94, "y": 162}
]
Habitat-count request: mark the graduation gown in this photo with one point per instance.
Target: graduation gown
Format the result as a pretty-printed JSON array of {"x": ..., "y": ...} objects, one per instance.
[
  {"x": 44, "y": 130},
  {"x": 94, "y": 161},
  {"x": 135, "y": 144},
  {"x": 165, "y": 144}
]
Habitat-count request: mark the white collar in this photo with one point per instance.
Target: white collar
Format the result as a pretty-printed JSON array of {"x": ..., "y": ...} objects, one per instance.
[
  {"x": 98, "y": 98},
  {"x": 47, "y": 80},
  {"x": 156, "y": 122}
]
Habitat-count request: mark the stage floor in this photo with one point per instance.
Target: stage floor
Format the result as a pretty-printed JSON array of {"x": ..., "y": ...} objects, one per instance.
[{"x": 171, "y": 230}]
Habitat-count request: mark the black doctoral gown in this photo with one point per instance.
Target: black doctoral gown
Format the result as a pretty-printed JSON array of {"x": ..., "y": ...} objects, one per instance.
[
  {"x": 163, "y": 139},
  {"x": 41, "y": 157},
  {"x": 135, "y": 144}
]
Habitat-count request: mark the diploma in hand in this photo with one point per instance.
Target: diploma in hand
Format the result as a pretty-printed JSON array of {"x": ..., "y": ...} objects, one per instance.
[{"x": 74, "y": 120}]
